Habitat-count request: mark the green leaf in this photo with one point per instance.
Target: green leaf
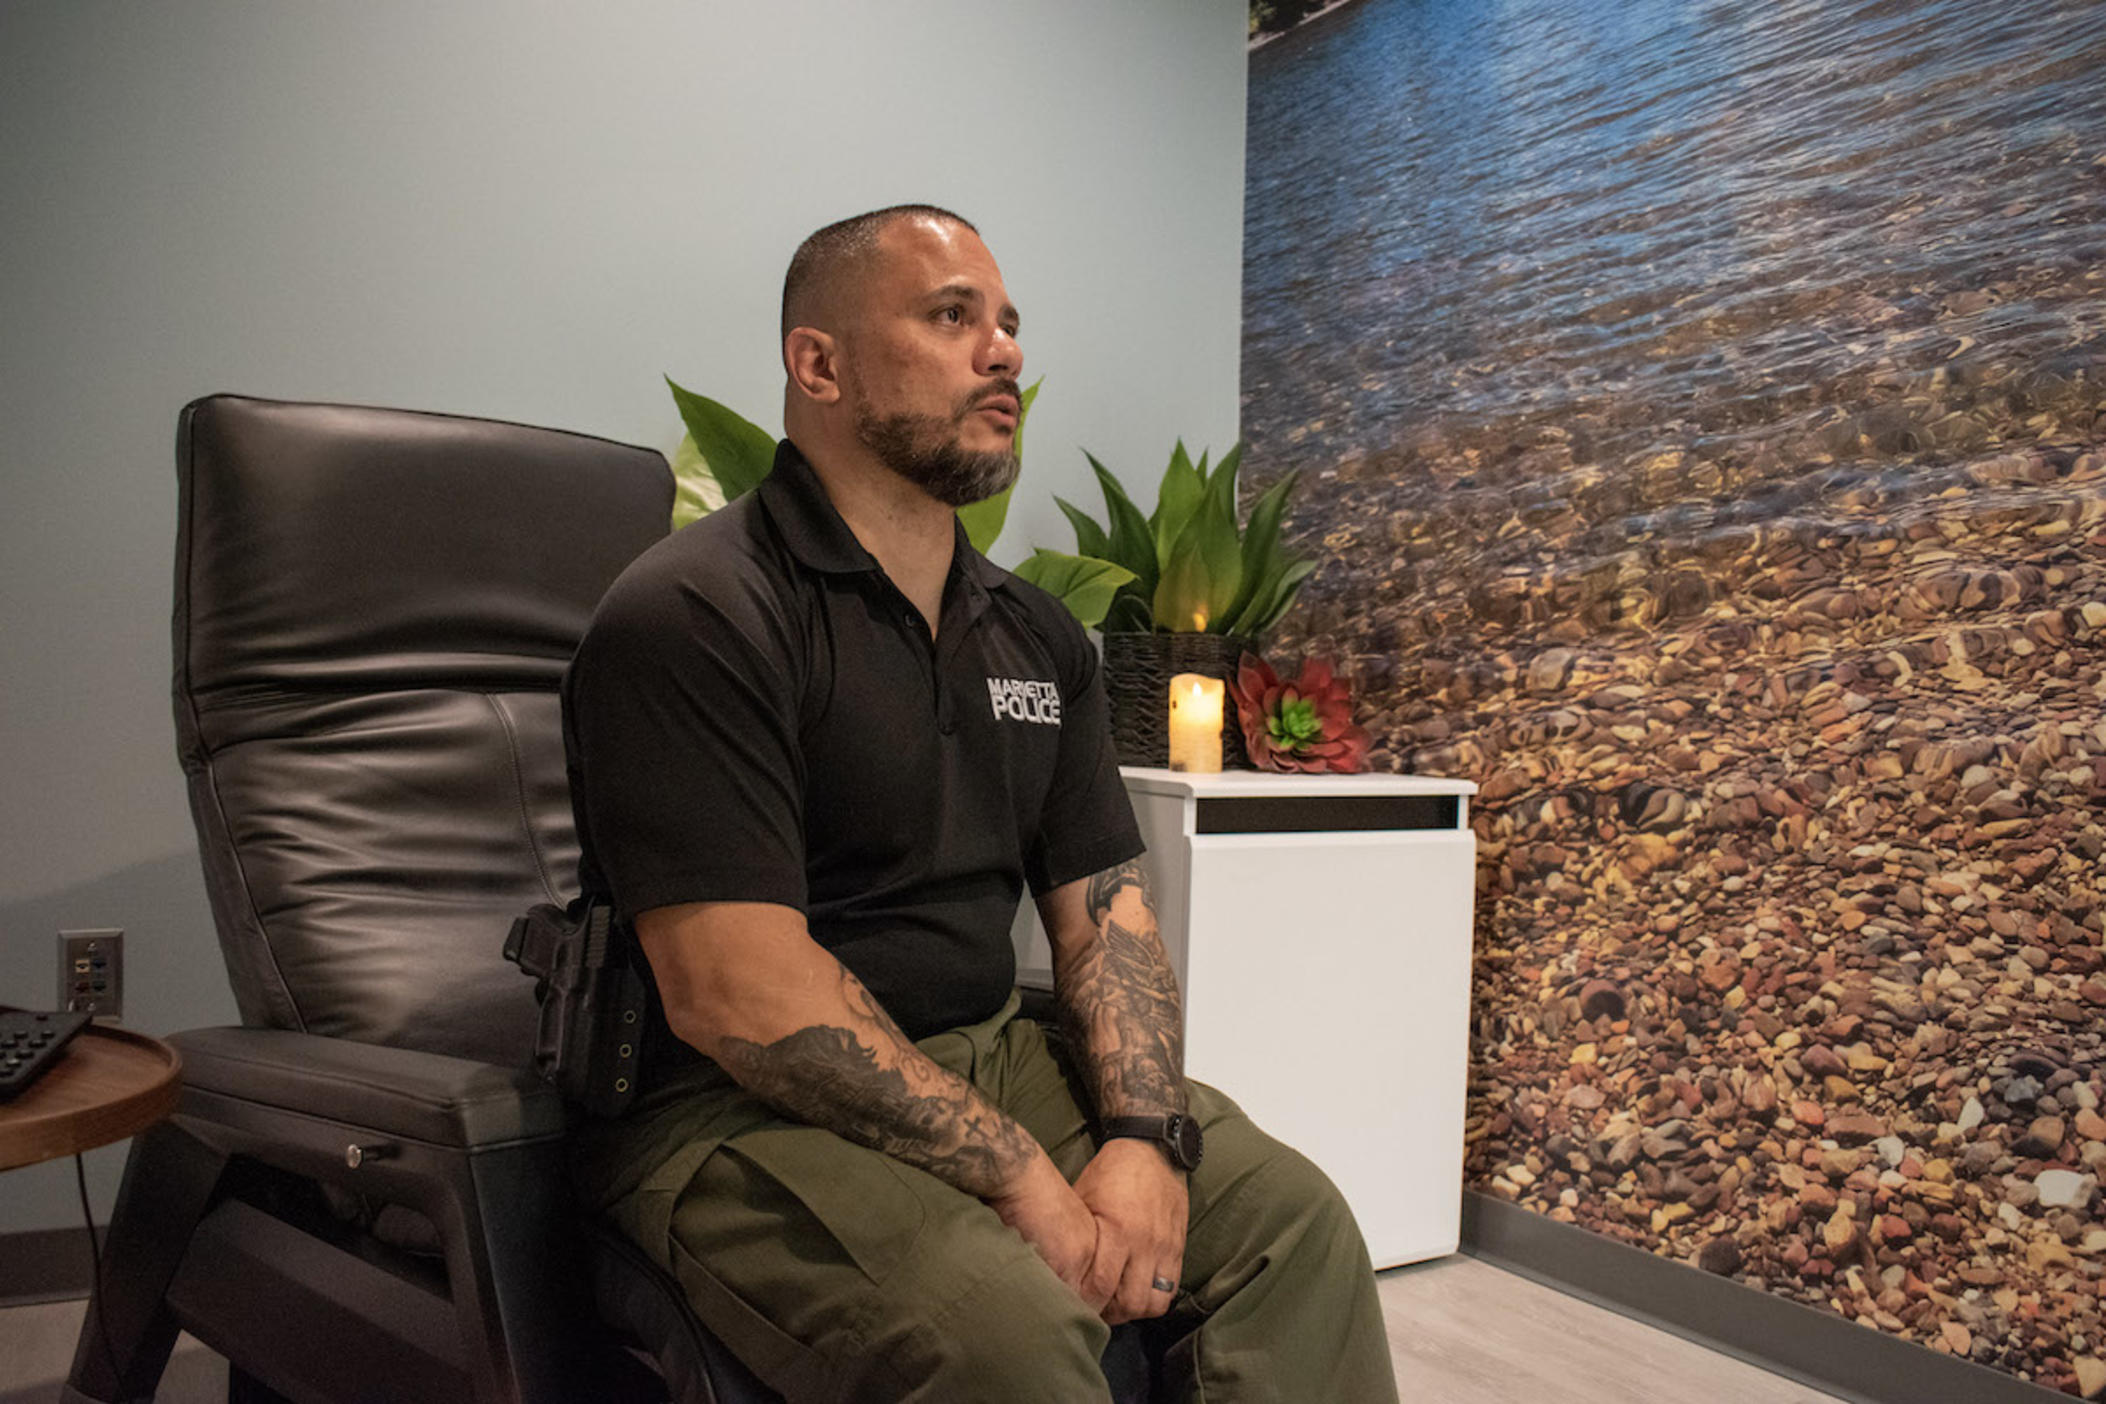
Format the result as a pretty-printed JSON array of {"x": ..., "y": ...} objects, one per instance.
[
  {"x": 1261, "y": 548},
  {"x": 1131, "y": 544},
  {"x": 1084, "y": 584},
  {"x": 1231, "y": 463},
  {"x": 1260, "y": 588},
  {"x": 1023, "y": 411},
  {"x": 1220, "y": 543},
  {"x": 984, "y": 519},
  {"x": 1089, "y": 537},
  {"x": 1176, "y": 453},
  {"x": 738, "y": 452},
  {"x": 1205, "y": 569},
  {"x": 1176, "y": 500},
  {"x": 1296, "y": 724},
  {"x": 1274, "y": 599},
  {"x": 696, "y": 491},
  {"x": 1128, "y": 613},
  {"x": 1180, "y": 600}
]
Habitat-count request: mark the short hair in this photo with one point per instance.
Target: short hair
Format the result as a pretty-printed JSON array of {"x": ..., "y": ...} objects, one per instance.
[{"x": 829, "y": 253}]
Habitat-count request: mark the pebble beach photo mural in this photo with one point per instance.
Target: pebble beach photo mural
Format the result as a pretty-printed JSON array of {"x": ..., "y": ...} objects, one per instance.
[{"x": 1701, "y": 411}]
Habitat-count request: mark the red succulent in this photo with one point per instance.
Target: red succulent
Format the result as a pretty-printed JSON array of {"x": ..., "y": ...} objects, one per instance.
[{"x": 1303, "y": 725}]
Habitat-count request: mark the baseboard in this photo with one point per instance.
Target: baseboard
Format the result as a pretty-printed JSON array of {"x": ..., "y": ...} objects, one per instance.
[
  {"x": 44, "y": 1265},
  {"x": 1816, "y": 1348}
]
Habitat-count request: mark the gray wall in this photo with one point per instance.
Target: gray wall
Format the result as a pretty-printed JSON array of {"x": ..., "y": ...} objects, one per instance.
[{"x": 527, "y": 211}]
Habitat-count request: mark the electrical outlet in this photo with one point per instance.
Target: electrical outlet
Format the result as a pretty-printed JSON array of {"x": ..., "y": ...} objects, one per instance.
[{"x": 91, "y": 972}]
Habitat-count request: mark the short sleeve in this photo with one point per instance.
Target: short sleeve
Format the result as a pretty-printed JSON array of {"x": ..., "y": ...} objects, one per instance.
[
  {"x": 1087, "y": 824},
  {"x": 680, "y": 715}
]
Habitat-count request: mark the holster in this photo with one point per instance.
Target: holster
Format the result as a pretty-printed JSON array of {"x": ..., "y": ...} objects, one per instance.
[{"x": 589, "y": 1044}]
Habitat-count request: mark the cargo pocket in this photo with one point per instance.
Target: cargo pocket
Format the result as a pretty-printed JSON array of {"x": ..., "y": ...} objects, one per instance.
[
  {"x": 780, "y": 1359},
  {"x": 781, "y": 1236},
  {"x": 831, "y": 1198}
]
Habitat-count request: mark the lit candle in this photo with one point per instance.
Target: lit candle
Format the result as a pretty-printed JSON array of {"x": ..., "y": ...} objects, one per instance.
[{"x": 1195, "y": 723}]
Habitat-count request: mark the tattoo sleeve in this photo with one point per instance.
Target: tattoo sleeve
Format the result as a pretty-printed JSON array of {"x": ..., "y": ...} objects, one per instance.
[
  {"x": 866, "y": 1081},
  {"x": 1119, "y": 1005}
]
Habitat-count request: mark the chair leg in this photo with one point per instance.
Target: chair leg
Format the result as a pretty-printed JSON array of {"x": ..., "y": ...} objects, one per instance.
[
  {"x": 169, "y": 1181},
  {"x": 509, "y": 1233}
]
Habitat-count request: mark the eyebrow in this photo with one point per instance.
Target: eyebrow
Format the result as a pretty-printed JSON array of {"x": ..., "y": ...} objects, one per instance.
[{"x": 968, "y": 293}]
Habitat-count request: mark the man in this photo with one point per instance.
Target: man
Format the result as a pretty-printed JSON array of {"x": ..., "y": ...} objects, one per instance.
[{"x": 874, "y": 1180}]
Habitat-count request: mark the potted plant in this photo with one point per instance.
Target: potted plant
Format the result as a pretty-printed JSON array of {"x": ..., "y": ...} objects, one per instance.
[{"x": 1202, "y": 590}]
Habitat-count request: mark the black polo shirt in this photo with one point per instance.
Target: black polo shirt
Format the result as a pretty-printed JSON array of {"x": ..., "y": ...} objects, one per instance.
[{"x": 756, "y": 713}]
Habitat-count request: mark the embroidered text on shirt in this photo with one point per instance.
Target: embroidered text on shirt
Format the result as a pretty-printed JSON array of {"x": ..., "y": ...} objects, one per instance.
[{"x": 1025, "y": 699}]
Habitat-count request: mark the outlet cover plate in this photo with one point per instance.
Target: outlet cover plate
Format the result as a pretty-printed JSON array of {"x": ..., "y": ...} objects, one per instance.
[{"x": 91, "y": 972}]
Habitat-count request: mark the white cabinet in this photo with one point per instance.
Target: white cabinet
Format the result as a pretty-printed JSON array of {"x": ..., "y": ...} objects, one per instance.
[{"x": 1320, "y": 929}]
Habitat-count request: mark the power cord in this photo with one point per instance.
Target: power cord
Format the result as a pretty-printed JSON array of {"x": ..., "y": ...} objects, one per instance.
[{"x": 100, "y": 1326}]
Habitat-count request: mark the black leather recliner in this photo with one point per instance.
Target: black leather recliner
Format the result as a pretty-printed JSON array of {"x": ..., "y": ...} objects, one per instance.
[{"x": 362, "y": 1193}]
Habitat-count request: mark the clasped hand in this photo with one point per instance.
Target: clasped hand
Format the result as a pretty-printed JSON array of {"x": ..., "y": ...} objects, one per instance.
[
  {"x": 1140, "y": 1204},
  {"x": 1113, "y": 1233}
]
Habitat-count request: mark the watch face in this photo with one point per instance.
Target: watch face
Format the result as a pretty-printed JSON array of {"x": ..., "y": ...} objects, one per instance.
[{"x": 1185, "y": 1140}]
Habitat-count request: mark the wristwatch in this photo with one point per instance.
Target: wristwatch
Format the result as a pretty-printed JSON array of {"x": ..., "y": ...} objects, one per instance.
[{"x": 1177, "y": 1135}]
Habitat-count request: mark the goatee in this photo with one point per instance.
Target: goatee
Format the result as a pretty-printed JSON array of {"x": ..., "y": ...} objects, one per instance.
[{"x": 924, "y": 449}]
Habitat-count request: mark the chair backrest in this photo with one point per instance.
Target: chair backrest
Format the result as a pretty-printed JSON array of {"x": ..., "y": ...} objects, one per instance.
[{"x": 373, "y": 611}]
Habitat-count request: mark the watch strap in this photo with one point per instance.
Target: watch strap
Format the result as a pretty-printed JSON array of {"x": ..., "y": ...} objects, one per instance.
[
  {"x": 1145, "y": 1128},
  {"x": 1164, "y": 1131}
]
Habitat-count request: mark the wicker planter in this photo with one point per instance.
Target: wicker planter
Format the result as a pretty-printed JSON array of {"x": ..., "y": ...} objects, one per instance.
[{"x": 1137, "y": 673}]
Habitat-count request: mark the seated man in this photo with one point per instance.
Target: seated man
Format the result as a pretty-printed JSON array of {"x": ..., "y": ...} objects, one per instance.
[{"x": 873, "y": 1178}]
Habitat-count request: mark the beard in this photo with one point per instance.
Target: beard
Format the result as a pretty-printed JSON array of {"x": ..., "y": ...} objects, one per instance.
[{"x": 924, "y": 449}]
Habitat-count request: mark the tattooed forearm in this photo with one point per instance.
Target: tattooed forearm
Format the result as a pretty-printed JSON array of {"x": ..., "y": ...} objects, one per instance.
[
  {"x": 1107, "y": 885},
  {"x": 870, "y": 1084},
  {"x": 1119, "y": 1004}
]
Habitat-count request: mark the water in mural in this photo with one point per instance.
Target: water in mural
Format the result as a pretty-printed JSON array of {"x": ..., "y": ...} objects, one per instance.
[{"x": 1702, "y": 411}]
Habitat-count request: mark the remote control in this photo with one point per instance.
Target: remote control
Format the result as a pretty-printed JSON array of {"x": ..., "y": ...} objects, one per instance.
[{"x": 31, "y": 1042}]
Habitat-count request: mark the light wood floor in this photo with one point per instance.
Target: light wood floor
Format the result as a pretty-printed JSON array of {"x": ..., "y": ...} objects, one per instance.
[{"x": 1461, "y": 1332}]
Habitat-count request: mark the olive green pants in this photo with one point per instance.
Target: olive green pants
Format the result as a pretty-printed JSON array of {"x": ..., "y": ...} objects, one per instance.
[{"x": 840, "y": 1274}]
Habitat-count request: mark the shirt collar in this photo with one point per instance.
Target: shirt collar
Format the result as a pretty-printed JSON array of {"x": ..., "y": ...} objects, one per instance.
[
  {"x": 978, "y": 566},
  {"x": 797, "y": 503}
]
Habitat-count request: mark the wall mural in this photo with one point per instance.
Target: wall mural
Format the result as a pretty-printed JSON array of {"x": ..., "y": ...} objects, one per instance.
[{"x": 1702, "y": 416}]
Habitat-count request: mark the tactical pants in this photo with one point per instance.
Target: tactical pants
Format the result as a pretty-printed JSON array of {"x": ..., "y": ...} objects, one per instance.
[{"x": 837, "y": 1273}]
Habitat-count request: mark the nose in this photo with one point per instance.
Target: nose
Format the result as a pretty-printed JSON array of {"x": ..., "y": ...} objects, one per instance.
[{"x": 1001, "y": 354}]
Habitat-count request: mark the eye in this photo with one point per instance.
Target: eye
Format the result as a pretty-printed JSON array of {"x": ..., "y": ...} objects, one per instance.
[{"x": 952, "y": 314}]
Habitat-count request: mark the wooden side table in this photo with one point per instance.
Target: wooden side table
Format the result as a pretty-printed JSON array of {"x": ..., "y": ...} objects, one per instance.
[{"x": 109, "y": 1084}]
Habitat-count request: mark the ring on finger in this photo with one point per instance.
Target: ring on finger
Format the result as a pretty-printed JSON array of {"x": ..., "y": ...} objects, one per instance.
[{"x": 1164, "y": 1284}]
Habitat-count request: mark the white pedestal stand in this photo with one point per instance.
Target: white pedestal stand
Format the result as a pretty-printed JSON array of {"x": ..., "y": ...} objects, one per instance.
[{"x": 1320, "y": 929}]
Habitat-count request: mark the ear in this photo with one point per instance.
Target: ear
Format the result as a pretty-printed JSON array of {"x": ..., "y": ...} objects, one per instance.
[{"x": 809, "y": 355}]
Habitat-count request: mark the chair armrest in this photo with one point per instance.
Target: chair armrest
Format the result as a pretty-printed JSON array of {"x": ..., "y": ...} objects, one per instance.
[{"x": 431, "y": 1097}]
